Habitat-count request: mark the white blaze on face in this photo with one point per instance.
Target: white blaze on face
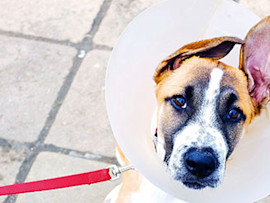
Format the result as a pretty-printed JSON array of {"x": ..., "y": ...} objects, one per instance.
[
  {"x": 202, "y": 132},
  {"x": 211, "y": 95}
]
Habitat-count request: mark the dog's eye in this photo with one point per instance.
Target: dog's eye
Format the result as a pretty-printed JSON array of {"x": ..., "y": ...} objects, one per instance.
[
  {"x": 179, "y": 102},
  {"x": 234, "y": 114}
]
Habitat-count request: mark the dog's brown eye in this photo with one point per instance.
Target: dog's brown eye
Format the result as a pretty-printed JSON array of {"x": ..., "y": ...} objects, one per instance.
[
  {"x": 179, "y": 102},
  {"x": 234, "y": 114}
]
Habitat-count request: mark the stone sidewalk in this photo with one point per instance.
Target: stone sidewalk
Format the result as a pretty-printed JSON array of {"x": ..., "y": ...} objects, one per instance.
[{"x": 52, "y": 115}]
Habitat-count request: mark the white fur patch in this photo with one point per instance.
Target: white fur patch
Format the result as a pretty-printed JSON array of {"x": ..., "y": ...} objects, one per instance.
[
  {"x": 113, "y": 195},
  {"x": 214, "y": 84},
  {"x": 211, "y": 95}
]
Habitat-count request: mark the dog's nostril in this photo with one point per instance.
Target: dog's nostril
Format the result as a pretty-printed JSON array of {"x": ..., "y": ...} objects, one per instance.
[
  {"x": 191, "y": 163},
  {"x": 200, "y": 163}
]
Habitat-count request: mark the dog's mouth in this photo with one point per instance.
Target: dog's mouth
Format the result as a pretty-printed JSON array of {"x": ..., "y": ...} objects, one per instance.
[
  {"x": 197, "y": 183},
  {"x": 200, "y": 184},
  {"x": 194, "y": 185}
]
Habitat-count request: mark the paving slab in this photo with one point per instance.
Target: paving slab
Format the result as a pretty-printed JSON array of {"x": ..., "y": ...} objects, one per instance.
[
  {"x": 31, "y": 76},
  {"x": 10, "y": 162},
  {"x": 260, "y": 8},
  {"x": 50, "y": 165},
  {"x": 82, "y": 122},
  {"x": 119, "y": 15},
  {"x": 60, "y": 20}
]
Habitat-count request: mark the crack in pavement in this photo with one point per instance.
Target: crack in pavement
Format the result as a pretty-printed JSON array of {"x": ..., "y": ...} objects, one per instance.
[
  {"x": 79, "y": 154},
  {"x": 37, "y": 38}
]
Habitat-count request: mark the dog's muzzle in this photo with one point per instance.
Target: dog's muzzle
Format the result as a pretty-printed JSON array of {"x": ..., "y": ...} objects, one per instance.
[
  {"x": 195, "y": 160},
  {"x": 198, "y": 161},
  {"x": 198, "y": 168}
]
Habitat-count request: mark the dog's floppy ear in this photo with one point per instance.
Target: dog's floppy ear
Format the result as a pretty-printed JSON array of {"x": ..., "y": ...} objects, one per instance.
[
  {"x": 215, "y": 48},
  {"x": 255, "y": 61}
]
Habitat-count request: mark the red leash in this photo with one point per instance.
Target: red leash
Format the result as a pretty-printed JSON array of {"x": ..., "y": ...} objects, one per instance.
[{"x": 110, "y": 173}]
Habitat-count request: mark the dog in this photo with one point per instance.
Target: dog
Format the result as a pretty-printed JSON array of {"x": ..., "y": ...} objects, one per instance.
[{"x": 203, "y": 109}]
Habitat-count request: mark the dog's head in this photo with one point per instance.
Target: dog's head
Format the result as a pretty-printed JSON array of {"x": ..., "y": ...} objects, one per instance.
[{"x": 204, "y": 105}]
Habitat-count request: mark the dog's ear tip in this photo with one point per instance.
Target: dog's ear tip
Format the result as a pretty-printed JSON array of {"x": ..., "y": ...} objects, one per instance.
[
  {"x": 236, "y": 40},
  {"x": 160, "y": 69}
]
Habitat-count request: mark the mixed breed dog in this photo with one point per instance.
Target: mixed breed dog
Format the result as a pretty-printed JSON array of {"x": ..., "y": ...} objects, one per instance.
[{"x": 203, "y": 109}]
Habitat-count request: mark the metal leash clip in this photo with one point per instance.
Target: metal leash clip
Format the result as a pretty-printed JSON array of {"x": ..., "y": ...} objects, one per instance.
[{"x": 115, "y": 171}]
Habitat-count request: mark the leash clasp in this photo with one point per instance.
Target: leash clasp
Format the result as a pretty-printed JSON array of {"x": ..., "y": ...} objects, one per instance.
[{"x": 115, "y": 171}]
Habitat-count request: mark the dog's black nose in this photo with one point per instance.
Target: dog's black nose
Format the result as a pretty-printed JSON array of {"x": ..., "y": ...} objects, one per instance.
[{"x": 200, "y": 163}]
